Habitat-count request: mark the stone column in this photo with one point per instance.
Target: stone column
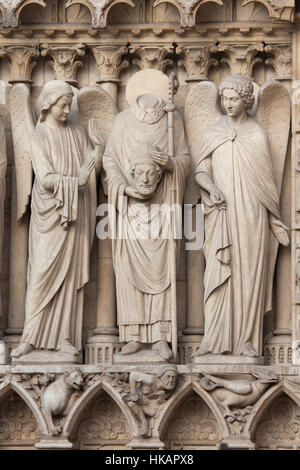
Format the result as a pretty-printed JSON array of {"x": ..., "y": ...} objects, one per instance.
[
  {"x": 64, "y": 60},
  {"x": 105, "y": 340},
  {"x": 241, "y": 58},
  {"x": 278, "y": 345},
  {"x": 197, "y": 60},
  {"x": 22, "y": 62}
]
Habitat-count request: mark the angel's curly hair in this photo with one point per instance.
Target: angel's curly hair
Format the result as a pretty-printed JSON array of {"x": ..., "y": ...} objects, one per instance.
[{"x": 242, "y": 85}]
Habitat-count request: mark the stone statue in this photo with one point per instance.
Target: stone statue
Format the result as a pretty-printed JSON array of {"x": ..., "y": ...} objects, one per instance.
[
  {"x": 147, "y": 393},
  {"x": 62, "y": 226},
  {"x": 234, "y": 159},
  {"x": 138, "y": 166}
]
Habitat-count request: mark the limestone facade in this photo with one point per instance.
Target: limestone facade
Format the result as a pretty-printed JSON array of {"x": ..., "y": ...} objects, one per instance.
[{"x": 104, "y": 43}]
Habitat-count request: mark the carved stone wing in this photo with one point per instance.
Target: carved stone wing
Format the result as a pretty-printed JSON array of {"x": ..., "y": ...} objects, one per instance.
[
  {"x": 202, "y": 108},
  {"x": 95, "y": 102},
  {"x": 273, "y": 114},
  {"x": 22, "y": 127}
]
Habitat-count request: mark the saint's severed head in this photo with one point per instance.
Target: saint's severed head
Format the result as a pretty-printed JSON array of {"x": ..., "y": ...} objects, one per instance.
[{"x": 145, "y": 172}]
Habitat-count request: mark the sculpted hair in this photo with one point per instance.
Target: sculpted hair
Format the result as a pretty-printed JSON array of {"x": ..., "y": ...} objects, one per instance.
[{"x": 240, "y": 84}]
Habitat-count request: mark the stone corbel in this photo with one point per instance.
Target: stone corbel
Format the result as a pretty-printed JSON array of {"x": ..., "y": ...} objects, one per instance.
[
  {"x": 99, "y": 9},
  {"x": 187, "y": 9},
  {"x": 22, "y": 62},
  {"x": 152, "y": 56},
  {"x": 279, "y": 9},
  {"x": 64, "y": 60},
  {"x": 197, "y": 60},
  {"x": 241, "y": 58},
  {"x": 11, "y": 10},
  {"x": 282, "y": 60},
  {"x": 109, "y": 60}
]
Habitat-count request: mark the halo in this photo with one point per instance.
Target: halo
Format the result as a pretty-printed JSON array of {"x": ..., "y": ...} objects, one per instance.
[{"x": 148, "y": 81}]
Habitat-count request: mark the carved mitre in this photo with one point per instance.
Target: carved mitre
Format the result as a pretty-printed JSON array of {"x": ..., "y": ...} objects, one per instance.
[{"x": 147, "y": 82}]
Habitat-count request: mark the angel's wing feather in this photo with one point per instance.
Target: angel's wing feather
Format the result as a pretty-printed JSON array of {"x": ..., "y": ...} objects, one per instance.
[
  {"x": 202, "y": 108},
  {"x": 22, "y": 127},
  {"x": 273, "y": 114},
  {"x": 95, "y": 102}
]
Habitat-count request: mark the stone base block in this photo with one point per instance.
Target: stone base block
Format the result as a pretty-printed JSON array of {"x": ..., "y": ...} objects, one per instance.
[
  {"x": 100, "y": 349},
  {"x": 278, "y": 348},
  {"x": 187, "y": 346},
  {"x": 48, "y": 357},
  {"x": 52, "y": 444},
  {"x": 141, "y": 357},
  {"x": 227, "y": 359},
  {"x": 145, "y": 444}
]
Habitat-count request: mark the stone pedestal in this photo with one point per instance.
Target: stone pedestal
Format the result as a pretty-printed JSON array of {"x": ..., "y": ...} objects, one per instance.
[
  {"x": 224, "y": 359},
  {"x": 48, "y": 357}
]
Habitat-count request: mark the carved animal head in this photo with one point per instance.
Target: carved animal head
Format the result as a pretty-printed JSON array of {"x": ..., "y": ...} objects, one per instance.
[
  {"x": 265, "y": 376},
  {"x": 73, "y": 377}
]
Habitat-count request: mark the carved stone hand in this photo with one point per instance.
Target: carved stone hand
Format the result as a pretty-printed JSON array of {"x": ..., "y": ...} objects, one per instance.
[
  {"x": 280, "y": 230},
  {"x": 163, "y": 160},
  {"x": 85, "y": 171}
]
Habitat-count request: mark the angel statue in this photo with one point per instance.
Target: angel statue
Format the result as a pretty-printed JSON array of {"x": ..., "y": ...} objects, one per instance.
[
  {"x": 65, "y": 161},
  {"x": 238, "y": 164},
  {"x": 141, "y": 171}
]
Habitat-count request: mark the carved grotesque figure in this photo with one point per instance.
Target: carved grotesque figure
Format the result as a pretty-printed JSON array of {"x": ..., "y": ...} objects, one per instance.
[
  {"x": 62, "y": 225},
  {"x": 138, "y": 166},
  {"x": 58, "y": 397},
  {"x": 242, "y": 221},
  {"x": 148, "y": 392}
]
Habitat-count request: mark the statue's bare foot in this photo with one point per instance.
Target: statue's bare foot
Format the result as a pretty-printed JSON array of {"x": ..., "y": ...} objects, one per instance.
[
  {"x": 163, "y": 349},
  {"x": 21, "y": 350},
  {"x": 68, "y": 348},
  {"x": 131, "y": 347},
  {"x": 249, "y": 350}
]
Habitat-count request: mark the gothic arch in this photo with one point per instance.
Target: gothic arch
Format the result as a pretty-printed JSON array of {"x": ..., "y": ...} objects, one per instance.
[
  {"x": 265, "y": 401},
  {"x": 170, "y": 408},
  {"x": 87, "y": 398},
  {"x": 25, "y": 396}
]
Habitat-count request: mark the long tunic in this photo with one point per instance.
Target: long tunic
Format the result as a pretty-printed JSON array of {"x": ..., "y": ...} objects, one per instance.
[
  {"x": 238, "y": 240},
  {"x": 143, "y": 265},
  {"x": 60, "y": 237}
]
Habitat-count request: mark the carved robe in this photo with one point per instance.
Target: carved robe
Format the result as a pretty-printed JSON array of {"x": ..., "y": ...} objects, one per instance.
[
  {"x": 60, "y": 237},
  {"x": 239, "y": 262},
  {"x": 142, "y": 266}
]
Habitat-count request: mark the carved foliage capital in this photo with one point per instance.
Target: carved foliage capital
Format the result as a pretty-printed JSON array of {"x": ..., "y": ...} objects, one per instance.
[
  {"x": 154, "y": 57},
  {"x": 22, "y": 61},
  {"x": 241, "y": 58},
  {"x": 197, "y": 60},
  {"x": 110, "y": 63},
  {"x": 281, "y": 60},
  {"x": 64, "y": 60}
]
